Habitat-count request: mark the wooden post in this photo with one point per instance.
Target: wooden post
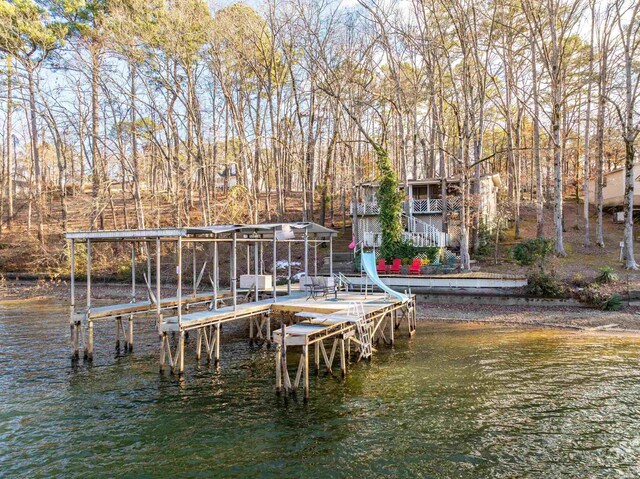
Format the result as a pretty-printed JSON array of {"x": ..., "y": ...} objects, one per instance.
[
  {"x": 343, "y": 365},
  {"x": 217, "y": 347},
  {"x": 181, "y": 354},
  {"x": 392, "y": 325},
  {"x": 163, "y": 337},
  {"x": 316, "y": 357},
  {"x": 278, "y": 368},
  {"x": 89, "y": 354},
  {"x": 199, "y": 343},
  {"x": 130, "y": 340},
  {"x": 118, "y": 328},
  {"x": 305, "y": 352}
]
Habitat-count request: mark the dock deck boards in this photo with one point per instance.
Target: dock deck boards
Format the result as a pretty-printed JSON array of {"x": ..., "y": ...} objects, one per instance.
[{"x": 114, "y": 310}]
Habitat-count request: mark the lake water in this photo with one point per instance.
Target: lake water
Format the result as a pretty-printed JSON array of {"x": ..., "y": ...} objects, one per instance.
[{"x": 460, "y": 401}]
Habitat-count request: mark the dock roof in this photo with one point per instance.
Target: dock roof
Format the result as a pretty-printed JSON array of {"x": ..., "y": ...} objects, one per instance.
[{"x": 195, "y": 231}]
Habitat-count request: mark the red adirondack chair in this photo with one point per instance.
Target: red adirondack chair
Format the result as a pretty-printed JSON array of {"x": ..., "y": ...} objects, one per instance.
[
  {"x": 415, "y": 266},
  {"x": 395, "y": 266},
  {"x": 382, "y": 266}
]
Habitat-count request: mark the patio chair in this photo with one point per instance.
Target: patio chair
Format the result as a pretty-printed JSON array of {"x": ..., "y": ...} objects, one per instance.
[
  {"x": 395, "y": 266},
  {"x": 416, "y": 266},
  {"x": 382, "y": 266}
]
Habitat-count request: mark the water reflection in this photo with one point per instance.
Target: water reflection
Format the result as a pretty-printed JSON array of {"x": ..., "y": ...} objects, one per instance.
[{"x": 456, "y": 401}]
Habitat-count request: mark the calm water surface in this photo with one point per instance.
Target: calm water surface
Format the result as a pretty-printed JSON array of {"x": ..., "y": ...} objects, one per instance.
[{"x": 456, "y": 401}]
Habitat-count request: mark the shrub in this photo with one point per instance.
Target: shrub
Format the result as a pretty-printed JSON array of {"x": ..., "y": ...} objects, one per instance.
[
  {"x": 532, "y": 251},
  {"x": 486, "y": 242},
  {"x": 593, "y": 296},
  {"x": 607, "y": 275},
  {"x": 579, "y": 280},
  {"x": 406, "y": 249},
  {"x": 541, "y": 283},
  {"x": 612, "y": 303}
]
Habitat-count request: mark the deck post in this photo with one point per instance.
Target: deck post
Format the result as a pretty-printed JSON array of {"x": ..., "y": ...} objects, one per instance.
[
  {"x": 148, "y": 247},
  {"x": 215, "y": 275},
  {"x": 88, "y": 275},
  {"x": 305, "y": 352},
  {"x": 133, "y": 272},
  {"x": 256, "y": 266},
  {"x": 72, "y": 307},
  {"x": 288, "y": 267},
  {"x": 316, "y": 357},
  {"x": 89, "y": 352},
  {"x": 315, "y": 255},
  {"x": 306, "y": 255},
  {"x": 273, "y": 279},
  {"x": 392, "y": 325},
  {"x": 72, "y": 267},
  {"x": 179, "y": 271},
  {"x": 343, "y": 363},
  {"x": 130, "y": 340},
  {"x": 331, "y": 256},
  {"x": 217, "y": 347},
  {"x": 158, "y": 299},
  {"x": 162, "y": 350},
  {"x": 195, "y": 274},
  {"x": 181, "y": 354},
  {"x": 234, "y": 257},
  {"x": 278, "y": 368}
]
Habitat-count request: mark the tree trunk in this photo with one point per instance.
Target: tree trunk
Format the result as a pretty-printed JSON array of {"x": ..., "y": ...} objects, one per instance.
[{"x": 35, "y": 153}]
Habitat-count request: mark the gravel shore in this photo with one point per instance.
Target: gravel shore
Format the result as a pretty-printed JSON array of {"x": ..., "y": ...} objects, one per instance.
[{"x": 562, "y": 317}]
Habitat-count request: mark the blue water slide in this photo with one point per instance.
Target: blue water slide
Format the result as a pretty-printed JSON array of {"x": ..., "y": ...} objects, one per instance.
[{"x": 369, "y": 265}]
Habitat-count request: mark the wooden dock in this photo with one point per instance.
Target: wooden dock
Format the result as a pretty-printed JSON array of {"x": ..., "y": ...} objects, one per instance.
[{"x": 352, "y": 323}]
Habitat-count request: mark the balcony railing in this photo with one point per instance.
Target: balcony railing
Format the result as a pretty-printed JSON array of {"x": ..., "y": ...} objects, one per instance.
[
  {"x": 418, "y": 207},
  {"x": 434, "y": 205},
  {"x": 370, "y": 208}
]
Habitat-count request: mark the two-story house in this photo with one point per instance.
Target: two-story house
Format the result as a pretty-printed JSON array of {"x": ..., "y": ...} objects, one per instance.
[{"x": 429, "y": 217}]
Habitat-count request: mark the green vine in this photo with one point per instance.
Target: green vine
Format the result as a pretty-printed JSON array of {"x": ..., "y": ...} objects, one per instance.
[{"x": 390, "y": 204}]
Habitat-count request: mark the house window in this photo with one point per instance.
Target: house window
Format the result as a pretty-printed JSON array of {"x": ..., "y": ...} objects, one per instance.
[{"x": 420, "y": 193}]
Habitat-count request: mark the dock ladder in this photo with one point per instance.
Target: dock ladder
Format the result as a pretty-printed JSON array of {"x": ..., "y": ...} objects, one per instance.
[{"x": 363, "y": 329}]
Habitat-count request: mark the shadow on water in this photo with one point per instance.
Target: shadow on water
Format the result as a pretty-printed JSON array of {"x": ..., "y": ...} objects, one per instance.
[{"x": 456, "y": 401}]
